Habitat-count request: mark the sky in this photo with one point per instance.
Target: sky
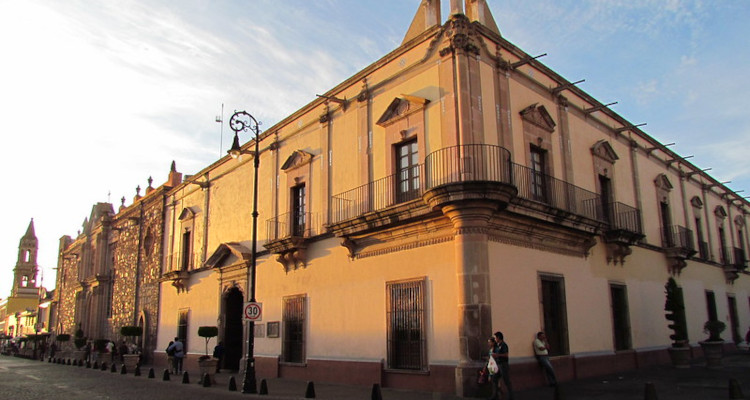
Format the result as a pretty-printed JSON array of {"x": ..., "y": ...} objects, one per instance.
[{"x": 98, "y": 96}]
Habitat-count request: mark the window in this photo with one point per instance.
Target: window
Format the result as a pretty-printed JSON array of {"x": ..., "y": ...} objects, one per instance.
[
  {"x": 606, "y": 198},
  {"x": 538, "y": 173},
  {"x": 182, "y": 328},
  {"x": 666, "y": 223},
  {"x": 554, "y": 314},
  {"x": 711, "y": 306},
  {"x": 723, "y": 243},
  {"x": 620, "y": 316},
  {"x": 293, "y": 347},
  {"x": 407, "y": 170},
  {"x": 702, "y": 245},
  {"x": 405, "y": 313},
  {"x": 734, "y": 323},
  {"x": 299, "y": 217},
  {"x": 186, "y": 259}
]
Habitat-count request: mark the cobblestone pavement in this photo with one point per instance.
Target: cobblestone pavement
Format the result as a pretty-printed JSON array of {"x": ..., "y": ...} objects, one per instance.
[{"x": 22, "y": 379}]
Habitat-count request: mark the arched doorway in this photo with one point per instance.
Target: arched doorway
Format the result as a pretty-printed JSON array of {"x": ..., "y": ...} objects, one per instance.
[{"x": 233, "y": 303}]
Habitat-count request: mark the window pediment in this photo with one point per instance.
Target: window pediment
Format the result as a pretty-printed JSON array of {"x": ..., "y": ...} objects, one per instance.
[
  {"x": 187, "y": 213},
  {"x": 297, "y": 159},
  {"x": 696, "y": 202},
  {"x": 401, "y": 107},
  {"x": 720, "y": 212},
  {"x": 604, "y": 150},
  {"x": 228, "y": 254},
  {"x": 662, "y": 182},
  {"x": 538, "y": 116}
]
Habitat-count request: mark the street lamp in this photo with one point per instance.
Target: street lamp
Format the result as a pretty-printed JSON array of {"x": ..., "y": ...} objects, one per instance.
[{"x": 242, "y": 121}]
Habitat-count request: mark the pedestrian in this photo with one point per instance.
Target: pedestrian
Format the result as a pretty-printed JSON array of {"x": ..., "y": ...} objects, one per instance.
[
  {"x": 170, "y": 356},
  {"x": 493, "y": 368},
  {"x": 53, "y": 350},
  {"x": 123, "y": 350},
  {"x": 179, "y": 354},
  {"x": 502, "y": 361},
  {"x": 541, "y": 351},
  {"x": 87, "y": 350},
  {"x": 219, "y": 355}
]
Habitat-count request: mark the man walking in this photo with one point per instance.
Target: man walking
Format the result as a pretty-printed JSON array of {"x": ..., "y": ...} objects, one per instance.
[
  {"x": 541, "y": 351},
  {"x": 503, "y": 362},
  {"x": 179, "y": 354}
]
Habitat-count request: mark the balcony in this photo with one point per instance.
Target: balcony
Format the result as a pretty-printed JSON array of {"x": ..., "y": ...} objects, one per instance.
[
  {"x": 703, "y": 250},
  {"x": 564, "y": 199},
  {"x": 740, "y": 261},
  {"x": 622, "y": 231},
  {"x": 288, "y": 235},
  {"x": 677, "y": 242},
  {"x": 474, "y": 173}
]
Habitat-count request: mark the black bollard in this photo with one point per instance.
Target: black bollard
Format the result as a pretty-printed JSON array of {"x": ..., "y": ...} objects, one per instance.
[
  {"x": 185, "y": 377},
  {"x": 735, "y": 390},
  {"x": 104, "y": 366},
  {"x": 137, "y": 370},
  {"x": 69, "y": 363},
  {"x": 113, "y": 368},
  {"x": 88, "y": 364},
  {"x": 310, "y": 391},
  {"x": 123, "y": 370},
  {"x": 232, "y": 384},
  {"x": 80, "y": 363},
  {"x": 559, "y": 393},
  {"x": 151, "y": 374},
  {"x": 165, "y": 376},
  {"x": 96, "y": 365},
  {"x": 263, "y": 387},
  {"x": 650, "y": 392},
  {"x": 376, "y": 395},
  {"x": 206, "y": 380},
  {"x": 75, "y": 362}
]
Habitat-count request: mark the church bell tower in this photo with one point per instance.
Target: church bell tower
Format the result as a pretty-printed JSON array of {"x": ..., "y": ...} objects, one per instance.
[{"x": 24, "y": 275}]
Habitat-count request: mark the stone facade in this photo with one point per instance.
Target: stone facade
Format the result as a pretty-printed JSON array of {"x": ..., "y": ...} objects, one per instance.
[{"x": 109, "y": 275}]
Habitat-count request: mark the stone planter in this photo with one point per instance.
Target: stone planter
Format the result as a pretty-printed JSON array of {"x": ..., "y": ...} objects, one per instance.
[
  {"x": 79, "y": 355},
  {"x": 208, "y": 366},
  {"x": 713, "y": 351},
  {"x": 130, "y": 361},
  {"x": 680, "y": 356}
]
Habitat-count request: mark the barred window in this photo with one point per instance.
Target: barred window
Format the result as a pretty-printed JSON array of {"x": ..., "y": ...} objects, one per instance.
[
  {"x": 406, "y": 325},
  {"x": 182, "y": 328},
  {"x": 293, "y": 347}
]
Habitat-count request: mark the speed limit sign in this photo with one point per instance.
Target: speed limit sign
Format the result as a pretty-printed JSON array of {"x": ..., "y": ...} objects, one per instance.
[{"x": 253, "y": 311}]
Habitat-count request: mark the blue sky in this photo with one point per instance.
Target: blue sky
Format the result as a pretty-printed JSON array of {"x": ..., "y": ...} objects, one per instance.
[{"x": 96, "y": 96}]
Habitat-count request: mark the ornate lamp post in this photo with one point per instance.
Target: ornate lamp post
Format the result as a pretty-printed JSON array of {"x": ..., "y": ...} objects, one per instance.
[{"x": 240, "y": 122}]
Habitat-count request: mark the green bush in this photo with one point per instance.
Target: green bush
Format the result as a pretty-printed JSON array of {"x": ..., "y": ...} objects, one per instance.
[
  {"x": 208, "y": 332},
  {"x": 63, "y": 337},
  {"x": 714, "y": 330}
]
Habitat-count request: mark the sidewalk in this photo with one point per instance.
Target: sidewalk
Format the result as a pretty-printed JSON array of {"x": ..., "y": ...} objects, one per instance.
[{"x": 669, "y": 383}]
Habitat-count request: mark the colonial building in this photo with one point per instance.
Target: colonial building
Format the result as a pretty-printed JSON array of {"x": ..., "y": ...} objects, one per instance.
[
  {"x": 453, "y": 188},
  {"x": 19, "y": 311},
  {"x": 108, "y": 277}
]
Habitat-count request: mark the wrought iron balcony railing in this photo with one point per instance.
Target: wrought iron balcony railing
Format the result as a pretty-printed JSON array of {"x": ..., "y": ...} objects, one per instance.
[
  {"x": 468, "y": 163},
  {"x": 739, "y": 258},
  {"x": 703, "y": 250},
  {"x": 291, "y": 225},
  {"x": 676, "y": 236},
  {"x": 536, "y": 186},
  {"x": 474, "y": 163},
  {"x": 622, "y": 217}
]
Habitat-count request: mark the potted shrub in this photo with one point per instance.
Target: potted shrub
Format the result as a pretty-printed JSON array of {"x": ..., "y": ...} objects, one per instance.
[
  {"x": 131, "y": 360},
  {"x": 207, "y": 364},
  {"x": 713, "y": 347},
  {"x": 679, "y": 352},
  {"x": 79, "y": 341}
]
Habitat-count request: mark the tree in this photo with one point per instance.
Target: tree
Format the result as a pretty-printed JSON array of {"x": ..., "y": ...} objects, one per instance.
[{"x": 207, "y": 332}]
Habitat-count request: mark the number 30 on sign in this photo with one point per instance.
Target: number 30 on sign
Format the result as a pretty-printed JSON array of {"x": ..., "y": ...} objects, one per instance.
[{"x": 253, "y": 311}]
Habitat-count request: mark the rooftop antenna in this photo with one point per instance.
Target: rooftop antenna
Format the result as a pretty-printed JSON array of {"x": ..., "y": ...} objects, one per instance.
[{"x": 220, "y": 120}]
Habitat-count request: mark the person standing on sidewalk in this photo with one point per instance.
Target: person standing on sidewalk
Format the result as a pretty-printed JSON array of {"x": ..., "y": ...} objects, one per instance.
[
  {"x": 541, "y": 351},
  {"x": 179, "y": 354},
  {"x": 219, "y": 355},
  {"x": 502, "y": 361}
]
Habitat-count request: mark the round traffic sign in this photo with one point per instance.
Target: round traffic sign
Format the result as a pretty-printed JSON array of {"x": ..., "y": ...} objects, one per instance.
[{"x": 253, "y": 311}]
